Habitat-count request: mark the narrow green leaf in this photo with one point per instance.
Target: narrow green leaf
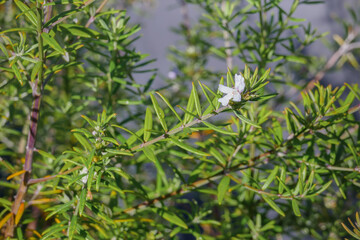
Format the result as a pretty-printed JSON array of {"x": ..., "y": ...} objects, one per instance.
[
  {"x": 186, "y": 112},
  {"x": 169, "y": 105},
  {"x": 229, "y": 78},
  {"x": 246, "y": 120},
  {"x": 52, "y": 43},
  {"x": 80, "y": 31},
  {"x": 352, "y": 89},
  {"x": 89, "y": 121},
  {"x": 206, "y": 95},
  {"x": 17, "y": 74},
  {"x": 297, "y": 19},
  {"x": 83, "y": 141},
  {"x": 148, "y": 124},
  {"x": 129, "y": 102},
  {"x": 282, "y": 183},
  {"x": 90, "y": 177},
  {"x": 295, "y": 207},
  {"x": 112, "y": 140},
  {"x": 59, "y": 208},
  {"x": 82, "y": 201},
  {"x": 215, "y": 153},
  {"x": 19, "y": 233},
  {"x": 270, "y": 178},
  {"x": 188, "y": 148},
  {"x": 323, "y": 188},
  {"x": 72, "y": 227},
  {"x": 273, "y": 205},
  {"x": 218, "y": 129},
  {"x": 211, "y": 91},
  {"x": 171, "y": 217},
  {"x": 133, "y": 137},
  {"x": 265, "y": 75},
  {"x": 222, "y": 188},
  {"x": 159, "y": 112},
  {"x": 29, "y": 13},
  {"x": 119, "y": 152},
  {"x": 50, "y": 232},
  {"x": 4, "y": 50},
  {"x": 149, "y": 153},
  {"x": 258, "y": 86},
  {"x": 35, "y": 71},
  {"x": 338, "y": 110},
  {"x": 189, "y": 109},
  {"x": 296, "y": 59},
  {"x": 282, "y": 179},
  {"x": 98, "y": 179},
  {"x": 45, "y": 154},
  {"x": 196, "y": 99}
]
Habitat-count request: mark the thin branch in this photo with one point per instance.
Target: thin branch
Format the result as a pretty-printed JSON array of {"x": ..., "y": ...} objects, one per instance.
[
  {"x": 92, "y": 18},
  {"x": 238, "y": 167},
  {"x": 39, "y": 180},
  {"x": 346, "y": 47},
  {"x": 140, "y": 146},
  {"x": 34, "y": 118},
  {"x": 66, "y": 17}
]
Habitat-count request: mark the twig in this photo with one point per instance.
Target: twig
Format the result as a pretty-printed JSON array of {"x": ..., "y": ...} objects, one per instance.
[
  {"x": 92, "y": 18},
  {"x": 34, "y": 118},
  {"x": 142, "y": 145},
  {"x": 346, "y": 47},
  {"x": 238, "y": 167},
  {"x": 38, "y": 180},
  {"x": 66, "y": 17}
]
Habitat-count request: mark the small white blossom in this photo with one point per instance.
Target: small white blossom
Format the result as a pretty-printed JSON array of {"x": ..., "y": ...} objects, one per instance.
[
  {"x": 232, "y": 93},
  {"x": 84, "y": 178},
  {"x": 171, "y": 75},
  {"x": 66, "y": 57}
]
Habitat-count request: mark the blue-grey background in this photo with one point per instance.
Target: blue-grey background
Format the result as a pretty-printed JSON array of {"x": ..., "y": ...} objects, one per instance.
[{"x": 157, "y": 17}]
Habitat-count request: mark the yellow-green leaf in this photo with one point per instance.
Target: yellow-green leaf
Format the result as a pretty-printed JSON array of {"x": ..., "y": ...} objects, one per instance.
[
  {"x": 27, "y": 11},
  {"x": 273, "y": 205},
  {"x": 188, "y": 148},
  {"x": 52, "y": 42},
  {"x": 196, "y": 100},
  {"x": 218, "y": 129},
  {"x": 159, "y": 112},
  {"x": 148, "y": 124},
  {"x": 169, "y": 105},
  {"x": 82, "y": 201},
  {"x": 295, "y": 207},
  {"x": 222, "y": 188},
  {"x": 171, "y": 217}
]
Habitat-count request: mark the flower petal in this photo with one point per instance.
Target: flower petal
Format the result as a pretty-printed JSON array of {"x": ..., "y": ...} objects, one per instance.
[
  {"x": 225, "y": 89},
  {"x": 236, "y": 97},
  {"x": 225, "y": 100},
  {"x": 239, "y": 83}
]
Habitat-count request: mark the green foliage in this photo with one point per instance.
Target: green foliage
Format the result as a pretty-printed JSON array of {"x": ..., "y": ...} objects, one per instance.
[{"x": 159, "y": 166}]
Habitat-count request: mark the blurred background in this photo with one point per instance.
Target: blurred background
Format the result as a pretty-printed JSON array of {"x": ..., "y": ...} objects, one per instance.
[{"x": 158, "y": 17}]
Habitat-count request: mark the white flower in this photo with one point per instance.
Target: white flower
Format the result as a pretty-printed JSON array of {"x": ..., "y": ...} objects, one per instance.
[
  {"x": 232, "y": 93},
  {"x": 171, "y": 75},
  {"x": 84, "y": 178}
]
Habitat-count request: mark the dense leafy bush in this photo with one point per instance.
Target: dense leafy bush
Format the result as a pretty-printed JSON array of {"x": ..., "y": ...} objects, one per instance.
[{"x": 90, "y": 149}]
